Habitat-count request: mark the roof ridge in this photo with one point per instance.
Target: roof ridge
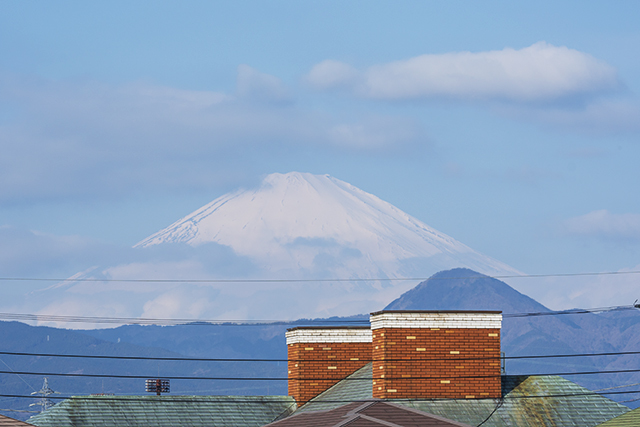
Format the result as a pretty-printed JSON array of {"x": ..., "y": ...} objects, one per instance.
[{"x": 376, "y": 420}]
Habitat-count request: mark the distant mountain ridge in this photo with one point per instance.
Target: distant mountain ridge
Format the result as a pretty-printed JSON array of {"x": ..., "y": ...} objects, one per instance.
[
  {"x": 549, "y": 333},
  {"x": 465, "y": 289},
  {"x": 457, "y": 289}
]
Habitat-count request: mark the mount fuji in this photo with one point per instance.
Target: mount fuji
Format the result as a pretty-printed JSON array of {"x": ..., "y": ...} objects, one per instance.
[
  {"x": 328, "y": 248},
  {"x": 299, "y": 222}
]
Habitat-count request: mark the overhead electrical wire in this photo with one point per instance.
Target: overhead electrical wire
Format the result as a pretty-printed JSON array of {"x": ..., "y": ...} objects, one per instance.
[
  {"x": 616, "y": 387},
  {"x": 19, "y": 410},
  {"x": 203, "y": 359},
  {"x": 265, "y": 399},
  {"x": 574, "y": 311},
  {"x": 243, "y": 322},
  {"x": 630, "y": 400},
  {"x": 200, "y": 378},
  {"x": 89, "y": 319},
  {"x": 379, "y": 279},
  {"x": 500, "y": 403}
]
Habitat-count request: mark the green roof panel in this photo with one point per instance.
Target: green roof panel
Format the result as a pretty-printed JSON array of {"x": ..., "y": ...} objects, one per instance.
[
  {"x": 165, "y": 411},
  {"x": 630, "y": 419},
  {"x": 528, "y": 401}
]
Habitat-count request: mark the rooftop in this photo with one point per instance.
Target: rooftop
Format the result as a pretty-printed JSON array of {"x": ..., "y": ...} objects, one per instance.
[
  {"x": 630, "y": 419},
  {"x": 528, "y": 401},
  {"x": 368, "y": 414},
  {"x": 166, "y": 411},
  {"x": 10, "y": 422}
]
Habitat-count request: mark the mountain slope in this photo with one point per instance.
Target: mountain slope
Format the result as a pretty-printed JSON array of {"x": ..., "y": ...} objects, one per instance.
[
  {"x": 326, "y": 247},
  {"x": 463, "y": 289},
  {"x": 460, "y": 289},
  {"x": 292, "y": 219},
  {"x": 138, "y": 342}
]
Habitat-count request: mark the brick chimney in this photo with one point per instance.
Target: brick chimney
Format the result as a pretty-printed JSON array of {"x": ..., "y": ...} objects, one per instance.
[
  {"x": 320, "y": 357},
  {"x": 424, "y": 354}
]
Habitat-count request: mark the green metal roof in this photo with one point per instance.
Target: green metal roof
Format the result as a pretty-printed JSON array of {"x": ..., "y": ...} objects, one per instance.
[
  {"x": 529, "y": 401},
  {"x": 630, "y": 419},
  {"x": 356, "y": 387},
  {"x": 165, "y": 411}
]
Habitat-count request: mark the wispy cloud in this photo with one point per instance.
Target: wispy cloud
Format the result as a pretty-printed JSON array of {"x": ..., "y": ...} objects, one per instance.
[
  {"x": 376, "y": 133},
  {"x": 542, "y": 83},
  {"x": 605, "y": 225},
  {"x": 259, "y": 86},
  {"x": 330, "y": 74},
  {"x": 27, "y": 253},
  {"x": 539, "y": 73},
  {"x": 600, "y": 116},
  {"x": 79, "y": 139},
  {"x": 561, "y": 293}
]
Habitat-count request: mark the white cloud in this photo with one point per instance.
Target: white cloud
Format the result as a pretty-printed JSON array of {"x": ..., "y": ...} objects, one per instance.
[
  {"x": 562, "y": 293},
  {"x": 66, "y": 140},
  {"x": 599, "y": 115},
  {"x": 330, "y": 74},
  {"x": 538, "y": 73},
  {"x": 178, "y": 303},
  {"x": 375, "y": 133},
  {"x": 27, "y": 253},
  {"x": 604, "y": 224},
  {"x": 253, "y": 84},
  {"x": 113, "y": 307}
]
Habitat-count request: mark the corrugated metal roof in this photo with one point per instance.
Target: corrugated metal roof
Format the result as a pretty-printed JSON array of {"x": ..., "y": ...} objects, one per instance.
[
  {"x": 630, "y": 419},
  {"x": 165, "y": 411},
  {"x": 356, "y": 387},
  {"x": 529, "y": 401}
]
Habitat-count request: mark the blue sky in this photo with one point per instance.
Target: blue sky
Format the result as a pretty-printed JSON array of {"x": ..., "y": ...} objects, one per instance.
[{"x": 514, "y": 128}]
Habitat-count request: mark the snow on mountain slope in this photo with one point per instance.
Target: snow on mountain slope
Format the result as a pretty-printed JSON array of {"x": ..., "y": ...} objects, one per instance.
[
  {"x": 318, "y": 234},
  {"x": 293, "y": 219}
]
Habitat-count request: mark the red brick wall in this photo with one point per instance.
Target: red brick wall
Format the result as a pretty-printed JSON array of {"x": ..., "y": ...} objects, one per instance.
[
  {"x": 314, "y": 367},
  {"x": 408, "y": 378}
]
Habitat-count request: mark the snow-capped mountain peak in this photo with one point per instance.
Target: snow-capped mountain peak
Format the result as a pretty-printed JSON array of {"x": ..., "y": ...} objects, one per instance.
[
  {"x": 291, "y": 220},
  {"x": 325, "y": 247}
]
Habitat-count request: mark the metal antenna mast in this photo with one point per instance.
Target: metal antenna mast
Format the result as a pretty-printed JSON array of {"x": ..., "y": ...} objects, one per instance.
[{"x": 45, "y": 392}]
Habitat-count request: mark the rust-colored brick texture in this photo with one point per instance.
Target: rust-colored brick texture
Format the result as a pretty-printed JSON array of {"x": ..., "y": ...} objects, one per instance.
[
  {"x": 320, "y": 357},
  {"x": 436, "y": 354}
]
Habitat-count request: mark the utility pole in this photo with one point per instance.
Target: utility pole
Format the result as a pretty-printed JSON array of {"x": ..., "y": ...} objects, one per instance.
[{"x": 45, "y": 392}]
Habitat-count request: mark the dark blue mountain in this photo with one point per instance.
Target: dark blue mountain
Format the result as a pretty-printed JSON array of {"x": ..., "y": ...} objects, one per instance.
[
  {"x": 464, "y": 289},
  {"x": 221, "y": 341},
  {"x": 457, "y": 289},
  {"x": 541, "y": 333}
]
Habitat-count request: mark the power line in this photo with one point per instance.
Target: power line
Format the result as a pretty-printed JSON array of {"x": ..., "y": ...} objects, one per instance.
[
  {"x": 244, "y": 322},
  {"x": 169, "y": 322},
  {"x": 202, "y": 359},
  {"x": 276, "y": 399},
  {"x": 22, "y": 379},
  {"x": 155, "y": 399},
  {"x": 123, "y": 376},
  {"x": 619, "y": 386},
  {"x": 574, "y": 311},
  {"x": 379, "y": 279},
  {"x": 500, "y": 402}
]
